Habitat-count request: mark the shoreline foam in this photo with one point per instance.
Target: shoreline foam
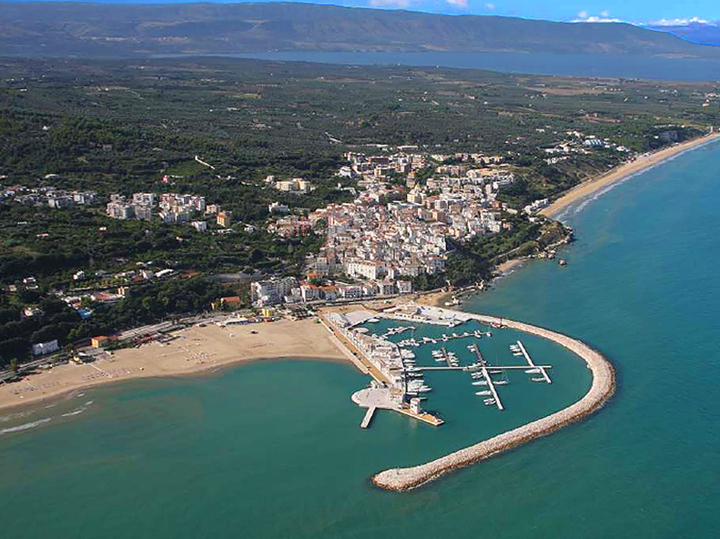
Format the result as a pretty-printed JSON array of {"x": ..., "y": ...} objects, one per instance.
[{"x": 602, "y": 388}]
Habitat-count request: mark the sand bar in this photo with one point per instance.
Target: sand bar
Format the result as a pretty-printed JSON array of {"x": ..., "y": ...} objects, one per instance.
[
  {"x": 602, "y": 388},
  {"x": 639, "y": 164},
  {"x": 196, "y": 349}
]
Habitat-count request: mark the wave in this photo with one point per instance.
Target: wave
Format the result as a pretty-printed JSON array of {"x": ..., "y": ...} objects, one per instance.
[
  {"x": 74, "y": 412},
  {"x": 25, "y": 426}
]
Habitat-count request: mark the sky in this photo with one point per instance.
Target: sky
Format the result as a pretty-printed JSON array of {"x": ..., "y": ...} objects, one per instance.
[{"x": 656, "y": 12}]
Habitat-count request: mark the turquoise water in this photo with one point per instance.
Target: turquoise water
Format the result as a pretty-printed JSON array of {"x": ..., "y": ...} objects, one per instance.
[{"x": 273, "y": 449}]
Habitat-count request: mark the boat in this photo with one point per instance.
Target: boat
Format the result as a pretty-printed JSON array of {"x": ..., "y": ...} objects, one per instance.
[
  {"x": 501, "y": 382},
  {"x": 532, "y": 371},
  {"x": 477, "y": 375},
  {"x": 538, "y": 380},
  {"x": 488, "y": 402},
  {"x": 480, "y": 383},
  {"x": 374, "y": 320},
  {"x": 483, "y": 393}
]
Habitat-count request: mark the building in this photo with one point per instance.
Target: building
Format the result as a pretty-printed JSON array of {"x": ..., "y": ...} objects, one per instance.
[
  {"x": 120, "y": 210},
  {"x": 224, "y": 219},
  {"x": 100, "y": 341},
  {"x": 200, "y": 226},
  {"x": 294, "y": 185},
  {"x": 271, "y": 291},
  {"x": 42, "y": 348},
  {"x": 369, "y": 269},
  {"x": 228, "y": 302}
]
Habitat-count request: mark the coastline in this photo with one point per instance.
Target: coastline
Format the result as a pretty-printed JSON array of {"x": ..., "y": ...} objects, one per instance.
[
  {"x": 639, "y": 164},
  {"x": 196, "y": 350},
  {"x": 602, "y": 388},
  {"x": 581, "y": 191}
]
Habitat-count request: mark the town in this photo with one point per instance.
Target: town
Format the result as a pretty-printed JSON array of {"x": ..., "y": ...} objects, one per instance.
[{"x": 384, "y": 238}]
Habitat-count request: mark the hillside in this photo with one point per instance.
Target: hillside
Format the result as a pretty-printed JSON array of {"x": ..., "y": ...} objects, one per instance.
[
  {"x": 696, "y": 32},
  {"x": 61, "y": 29}
]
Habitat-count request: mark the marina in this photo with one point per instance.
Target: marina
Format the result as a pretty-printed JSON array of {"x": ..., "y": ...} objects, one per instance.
[{"x": 398, "y": 372}]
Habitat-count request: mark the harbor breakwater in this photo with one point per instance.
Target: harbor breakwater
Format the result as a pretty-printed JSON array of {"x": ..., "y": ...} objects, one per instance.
[{"x": 602, "y": 388}]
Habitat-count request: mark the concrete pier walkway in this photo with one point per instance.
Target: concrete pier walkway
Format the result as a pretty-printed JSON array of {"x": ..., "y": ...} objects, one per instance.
[{"x": 368, "y": 417}]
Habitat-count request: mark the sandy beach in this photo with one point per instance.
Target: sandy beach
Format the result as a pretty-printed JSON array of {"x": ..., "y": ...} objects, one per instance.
[
  {"x": 623, "y": 171},
  {"x": 196, "y": 349}
]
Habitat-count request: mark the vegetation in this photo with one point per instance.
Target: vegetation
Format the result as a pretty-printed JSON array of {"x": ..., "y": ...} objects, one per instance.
[{"x": 121, "y": 127}]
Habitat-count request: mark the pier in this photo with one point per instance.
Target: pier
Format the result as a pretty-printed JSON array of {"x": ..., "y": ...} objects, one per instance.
[
  {"x": 476, "y": 367},
  {"x": 368, "y": 417},
  {"x": 541, "y": 370},
  {"x": 483, "y": 367}
]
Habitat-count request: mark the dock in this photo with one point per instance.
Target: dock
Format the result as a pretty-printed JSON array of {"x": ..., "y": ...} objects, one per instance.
[
  {"x": 532, "y": 365},
  {"x": 483, "y": 367},
  {"x": 368, "y": 417}
]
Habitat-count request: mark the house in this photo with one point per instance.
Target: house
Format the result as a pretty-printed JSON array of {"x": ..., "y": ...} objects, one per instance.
[
  {"x": 40, "y": 349},
  {"x": 224, "y": 218},
  {"x": 100, "y": 341},
  {"x": 229, "y": 302}
]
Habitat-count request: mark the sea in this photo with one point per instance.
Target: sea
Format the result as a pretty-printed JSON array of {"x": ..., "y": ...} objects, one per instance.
[
  {"x": 273, "y": 449},
  {"x": 576, "y": 65}
]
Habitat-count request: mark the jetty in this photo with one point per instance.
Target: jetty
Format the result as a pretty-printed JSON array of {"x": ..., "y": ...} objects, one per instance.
[
  {"x": 368, "y": 417},
  {"x": 602, "y": 388}
]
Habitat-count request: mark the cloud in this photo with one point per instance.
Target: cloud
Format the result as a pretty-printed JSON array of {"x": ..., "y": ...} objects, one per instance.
[
  {"x": 680, "y": 22},
  {"x": 490, "y": 7},
  {"x": 458, "y": 3},
  {"x": 390, "y": 3},
  {"x": 598, "y": 19},
  {"x": 584, "y": 16}
]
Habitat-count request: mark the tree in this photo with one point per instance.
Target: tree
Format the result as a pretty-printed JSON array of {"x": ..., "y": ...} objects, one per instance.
[{"x": 13, "y": 365}]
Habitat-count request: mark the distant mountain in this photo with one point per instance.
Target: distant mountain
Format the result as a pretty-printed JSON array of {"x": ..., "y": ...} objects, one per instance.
[
  {"x": 61, "y": 29},
  {"x": 696, "y": 32}
]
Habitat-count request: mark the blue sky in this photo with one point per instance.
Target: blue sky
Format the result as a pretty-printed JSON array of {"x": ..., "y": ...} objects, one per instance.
[{"x": 635, "y": 11}]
